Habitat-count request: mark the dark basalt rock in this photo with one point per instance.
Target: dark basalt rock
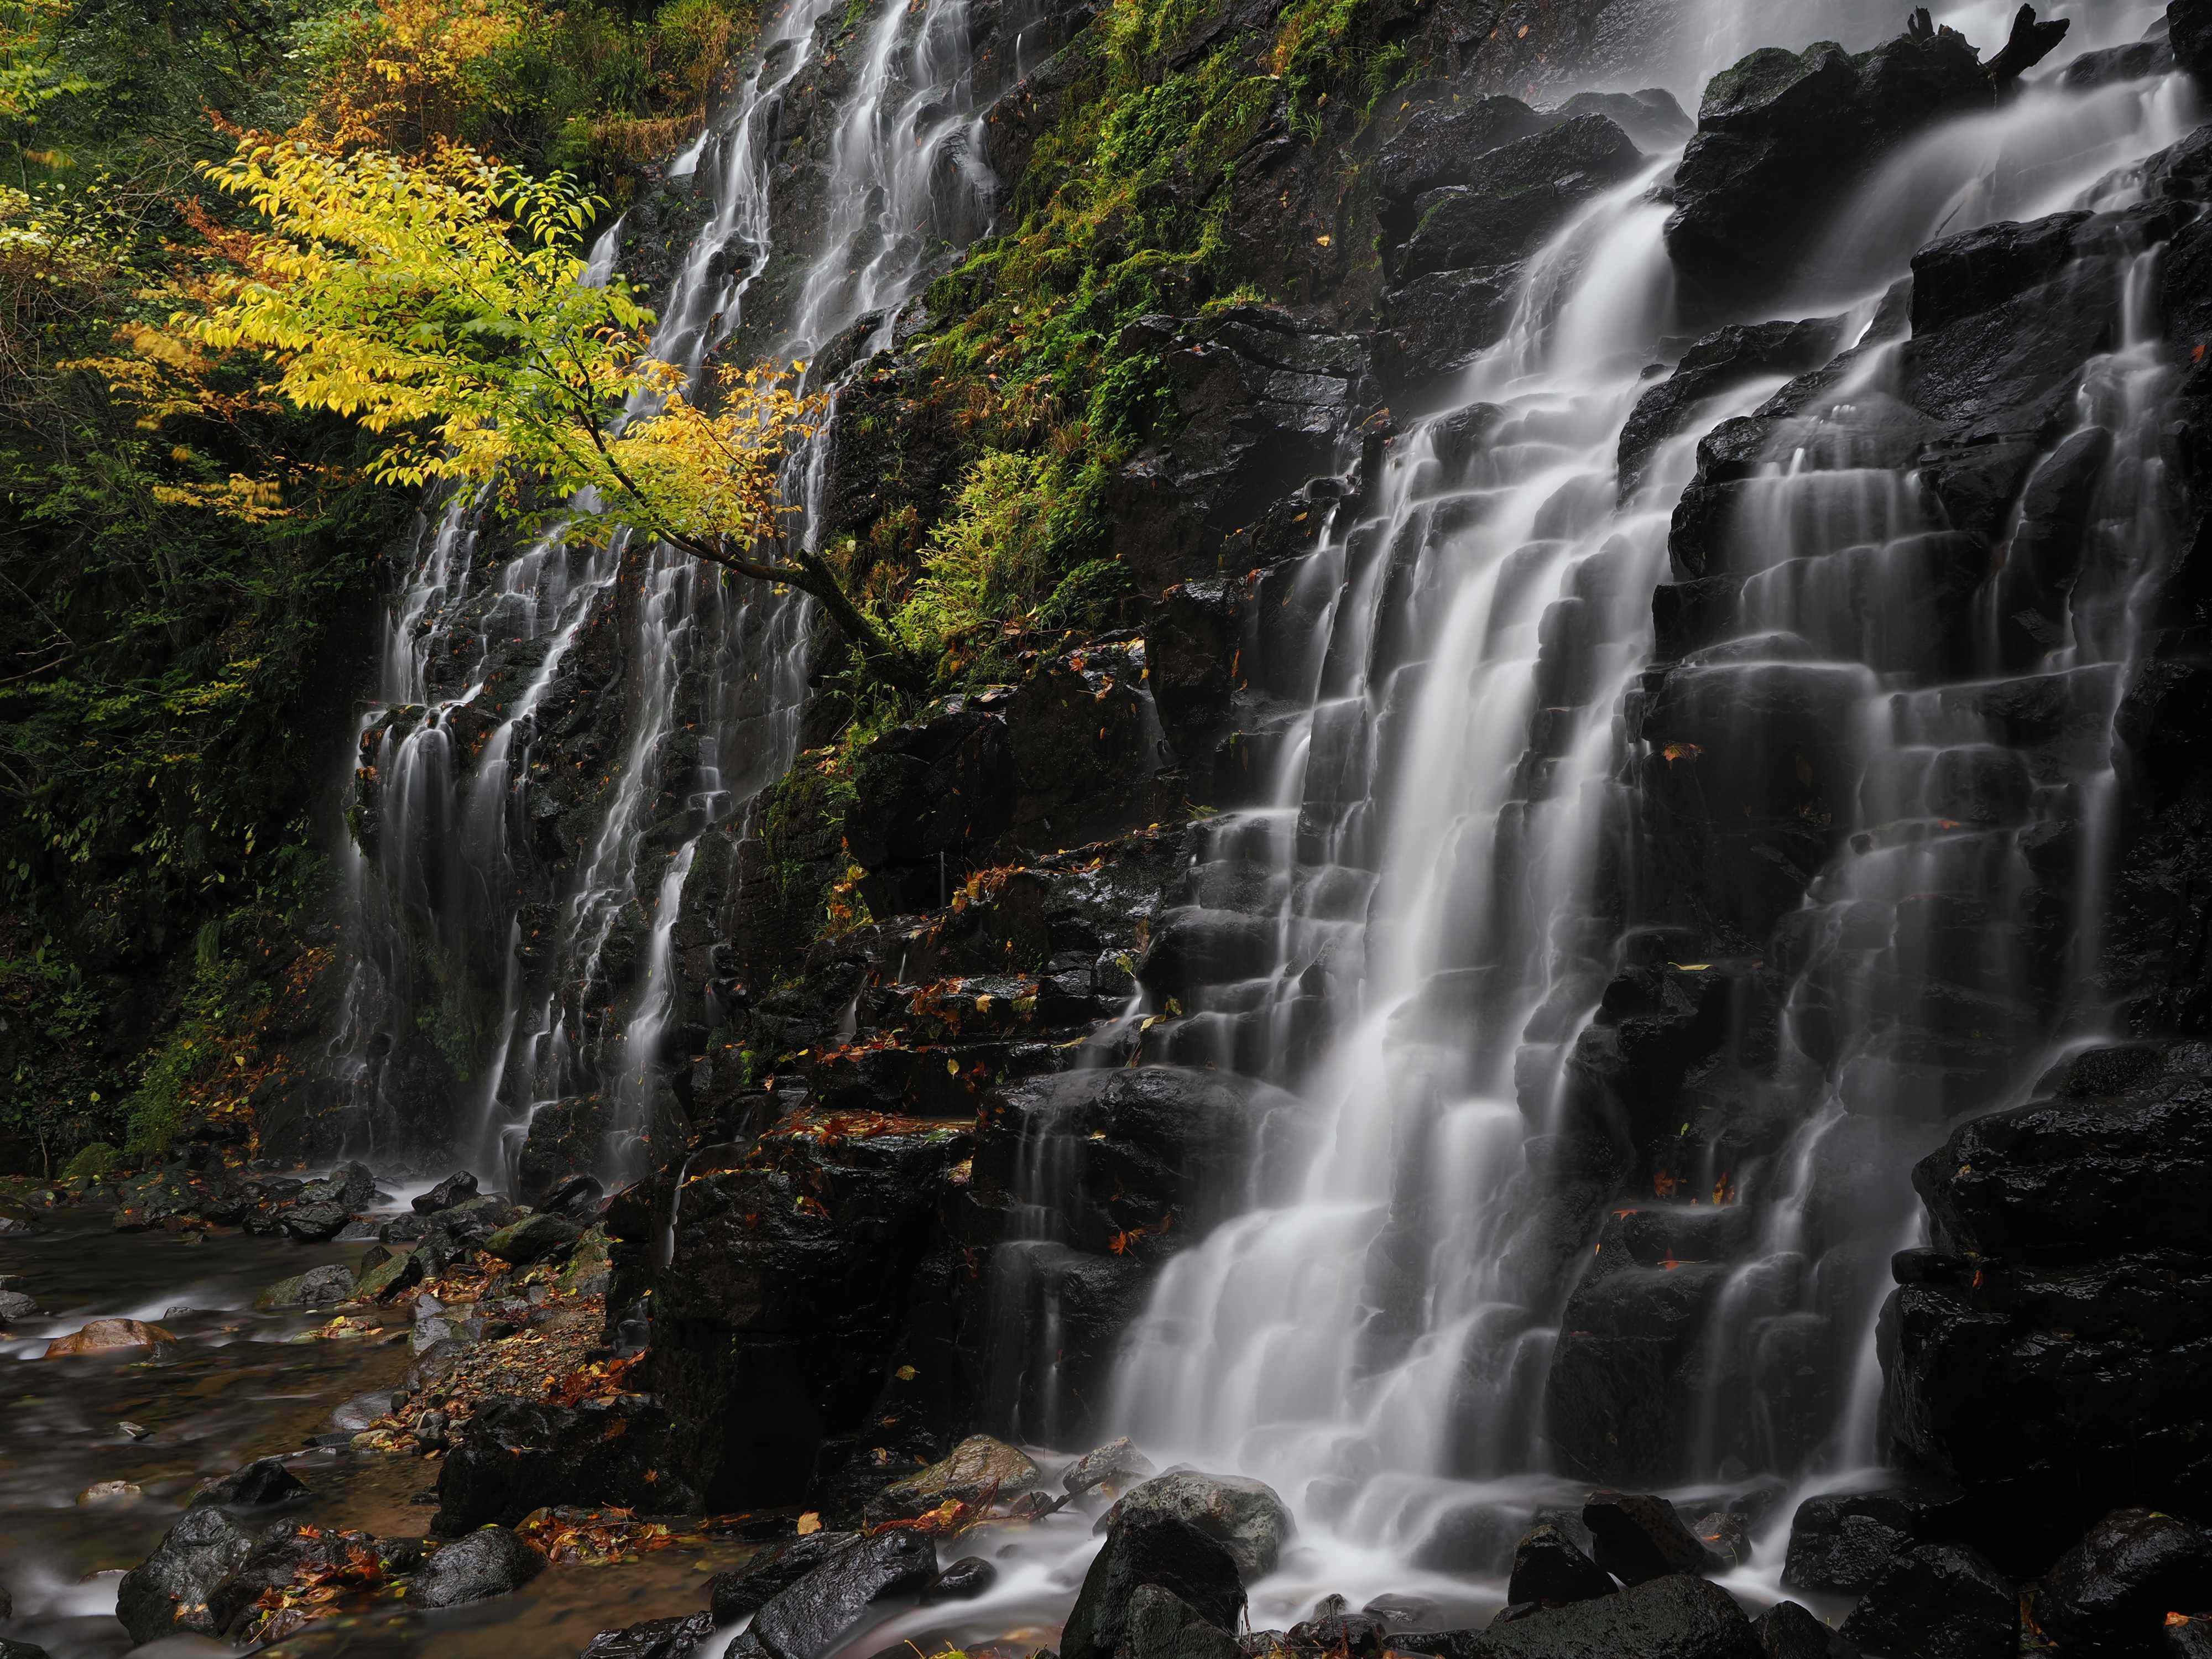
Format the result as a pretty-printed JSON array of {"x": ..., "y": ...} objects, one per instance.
[
  {"x": 1653, "y": 120},
  {"x": 1720, "y": 362},
  {"x": 2137, "y": 61},
  {"x": 260, "y": 1484},
  {"x": 1639, "y": 1536},
  {"x": 1671, "y": 1617},
  {"x": 1842, "y": 1542},
  {"x": 1782, "y": 136},
  {"x": 283, "y": 1552},
  {"x": 169, "y": 1592},
  {"x": 1245, "y": 1515},
  {"x": 979, "y": 1471},
  {"x": 311, "y": 1224},
  {"x": 1437, "y": 145},
  {"x": 319, "y": 1287},
  {"x": 1786, "y": 1630},
  {"x": 2085, "y": 1309},
  {"x": 1261, "y": 399},
  {"x": 1549, "y": 1569},
  {"x": 805, "y": 1620},
  {"x": 744, "y": 1590},
  {"x": 490, "y": 1561},
  {"x": 969, "y": 1577},
  {"x": 515, "y": 1455},
  {"x": 1938, "y": 1602},
  {"x": 1117, "y": 1465},
  {"x": 352, "y": 1186},
  {"x": 2109, "y": 1596},
  {"x": 1514, "y": 196},
  {"x": 652, "y": 1638},
  {"x": 2189, "y": 26},
  {"x": 578, "y": 1198},
  {"x": 1163, "y": 1625},
  {"x": 929, "y": 800},
  {"x": 1157, "y": 1549},
  {"x": 534, "y": 1238}
]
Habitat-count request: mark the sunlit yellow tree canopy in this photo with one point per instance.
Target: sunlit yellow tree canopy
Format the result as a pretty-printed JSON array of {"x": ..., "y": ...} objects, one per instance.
[{"x": 443, "y": 306}]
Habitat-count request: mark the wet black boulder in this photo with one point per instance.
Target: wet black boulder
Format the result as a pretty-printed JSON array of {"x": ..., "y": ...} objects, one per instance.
[
  {"x": 2109, "y": 1596},
  {"x": 259, "y": 1485},
  {"x": 807, "y": 1620},
  {"x": 1786, "y": 1630},
  {"x": 169, "y": 1591},
  {"x": 1720, "y": 362},
  {"x": 1638, "y": 1536},
  {"x": 516, "y": 1456},
  {"x": 283, "y": 1555},
  {"x": 455, "y": 1188},
  {"x": 2189, "y": 26},
  {"x": 1163, "y": 1625},
  {"x": 744, "y": 1590},
  {"x": 970, "y": 1575},
  {"x": 1840, "y": 1542},
  {"x": 652, "y": 1638},
  {"x": 1550, "y": 1568},
  {"x": 1672, "y": 1618},
  {"x": 1782, "y": 138},
  {"x": 490, "y": 1561},
  {"x": 1938, "y": 1602},
  {"x": 1162, "y": 1550},
  {"x": 312, "y": 1223}
]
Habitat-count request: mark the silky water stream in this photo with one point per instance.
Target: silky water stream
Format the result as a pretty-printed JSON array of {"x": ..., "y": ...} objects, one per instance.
[{"x": 1459, "y": 823}]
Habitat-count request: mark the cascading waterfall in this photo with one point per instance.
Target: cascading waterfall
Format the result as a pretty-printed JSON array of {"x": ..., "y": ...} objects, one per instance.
[
  {"x": 1456, "y": 851},
  {"x": 454, "y": 896}
]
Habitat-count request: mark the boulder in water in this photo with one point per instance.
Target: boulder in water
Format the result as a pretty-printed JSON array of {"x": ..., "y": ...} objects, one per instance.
[
  {"x": 1245, "y": 1515},
  {"x": 1938, "y": 1602},
  {"x": 15, "y": 1307},
  {"x": 1163, "y": 1625},
  {"x": 1158, "y": 1547},
  {"x": 260, "y": 1484},
  {"x": 317, "y": 1287},
  {"x": 970, "y": 1575},
  {"x": 350, "y": 1186},
  {"x": 743, "y": 1591},
  {"x": 805, "y": 1620},
  {"x": 22, "y": 1650},
  {"x": 311, "y": 1224},
  {"x": 490, "y": 1561},
  {"x": 1786, "y": 1630},
  {"x": 1639, "y": 1536},
  {"x": 980, "y": 1470},
  {"x": 388, "y": 1278},
  {"x": 1116, "y": 1464},
  {"x": 107, "y": 1336},
  {"x": 1671, "y": 1617},
  {"x": 1841, "y": 1541},
  {"x": 652, "y": 1638},
  {"x": 2109, "y": 1596},
  {"x": 1550, "y": 1569},
  {"x": 455, "y": 1188},
  {"x": 168, "y": 1593}
]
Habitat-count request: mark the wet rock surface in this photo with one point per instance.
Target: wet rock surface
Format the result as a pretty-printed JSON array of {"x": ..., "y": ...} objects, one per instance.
[
  {"x": 490, "y": 1561},
  {"x": 1159, "y": 1550}
]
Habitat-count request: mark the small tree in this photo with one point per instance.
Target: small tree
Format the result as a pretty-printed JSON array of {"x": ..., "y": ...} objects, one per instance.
[{"x": 441, "y": 305}]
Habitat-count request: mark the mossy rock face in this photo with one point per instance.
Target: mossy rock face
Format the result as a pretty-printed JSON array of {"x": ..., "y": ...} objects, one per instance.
[
  {"x": 96, "y": 1159},
  {"x": 589, "y": 1265},
  {"x": 389, "y": 1277}
]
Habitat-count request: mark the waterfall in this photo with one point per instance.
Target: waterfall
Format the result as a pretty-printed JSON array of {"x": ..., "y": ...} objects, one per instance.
[
  {"x": 1459, "y": 852},
  {"x": 501, "y": 954}
]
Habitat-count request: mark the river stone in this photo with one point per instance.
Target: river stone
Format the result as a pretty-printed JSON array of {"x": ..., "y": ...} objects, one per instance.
[
  {"x": 21, "y": 1650},
  {"x": 1151, "y": 1546},
  {"x": 534, "y": 1238},
  {"x": 168, "y": 1593},
  {"x": 743, "y": 1591},
  {"x": 1116, "y": 1464},
  {"x": 1163, "y": 1625},
  {"x": 389, "y": 1277},
  {"x": 2110, "y": 1594},
  {"x": 350, "y": 1187},
  {"x": 1639, "y": 1536},
  {"x": 110, "y": 1491},
  {"x": 1245, "y": 1515},
  {"x": 969, "y": 1577},
  {"x": 311, "y": 1224},
  {"x": 805, "y": 1620},
  {"x": 261, "y": 1483},
  {"x": 979, "y": 1470},
  {"x": 15, "y": 1305},
  {"x": 455, "y": 1188},
  {"x": 490, "y": 1561},
  {"x": 317, "y": 1287},
  {"x": 1938, "y": 1602},
  {"x": 1786, "y": 1630},
  {"x": 577, "y": 1197},
  {"x": 1550, "y": 1568},
  {"x": 1675, "y": 1617},
  {"x": 106, "y": 1336},
  {"x": 652, "y": 1638}
]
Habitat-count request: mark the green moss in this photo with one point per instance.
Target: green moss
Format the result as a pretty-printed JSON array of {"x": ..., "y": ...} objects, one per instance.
[{"x": 96, "y": 1159}]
